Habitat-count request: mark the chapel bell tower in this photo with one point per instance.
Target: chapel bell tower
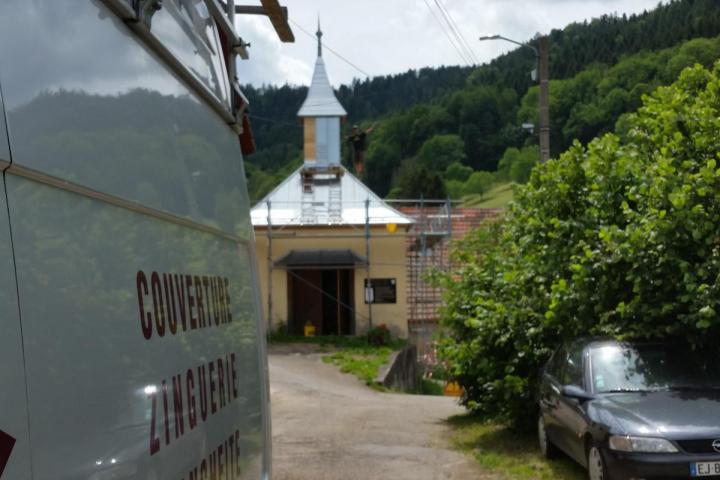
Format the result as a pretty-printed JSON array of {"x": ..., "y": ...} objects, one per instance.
[{"x": 321, "y": 114}]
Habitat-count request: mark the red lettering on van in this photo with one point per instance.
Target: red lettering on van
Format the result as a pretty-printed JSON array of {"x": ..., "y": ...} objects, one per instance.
[
  {"x": 192, "y": 413},
  {"x": 159, "y": 308},
  {"x": 234, "y": 376},
  {"x": 154, "y": 439},
  {"x": 191, "y": 301},
  {"x": 227, "y": 299},
  {"x": 211, "y": 371},
  {"x": 203, "y": 392},
  {"x": 170, "y": 302},
  {"x": 178, "y": 407},
  {"x": 165, "y": 409},
  {"x": 7, "y": 443},
  {"x": 199, "y": 300},
  {"x": 221, "y": 382},
  {"x": 181, "y": 300},
  {"x": 145, "y": 318}
]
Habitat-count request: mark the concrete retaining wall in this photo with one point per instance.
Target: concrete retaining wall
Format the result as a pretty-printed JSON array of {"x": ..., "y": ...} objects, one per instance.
[{"x": 401, "y": 372}]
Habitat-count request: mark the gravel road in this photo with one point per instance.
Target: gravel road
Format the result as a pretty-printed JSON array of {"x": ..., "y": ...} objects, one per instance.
[{"x": 329, "y": 426}]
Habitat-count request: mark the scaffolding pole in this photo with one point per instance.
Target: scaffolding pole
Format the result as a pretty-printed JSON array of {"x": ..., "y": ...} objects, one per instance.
[
  {"x": 269, "y": 265},
  {"x": 448, "y": 237},
  {"x": 368, "y": 282},
  {"x": 423, "y": 253}
]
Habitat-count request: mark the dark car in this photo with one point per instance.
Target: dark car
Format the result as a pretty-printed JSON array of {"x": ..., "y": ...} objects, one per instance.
[{"x": 632, "y": 410}]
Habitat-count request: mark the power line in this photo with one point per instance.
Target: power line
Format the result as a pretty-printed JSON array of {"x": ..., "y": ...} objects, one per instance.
[
  {"x": 272, "y": 120},
  {"x": 444, "y": 30},
  {"x": 330, "y": 49},
  {"x": 456, "y": 32},
  {"x": 328, "y": 295},
  {"x": 459, "y": 31}
]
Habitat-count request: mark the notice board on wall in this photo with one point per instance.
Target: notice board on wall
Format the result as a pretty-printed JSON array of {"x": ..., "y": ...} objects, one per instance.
[{"x": 380, "y": 290}]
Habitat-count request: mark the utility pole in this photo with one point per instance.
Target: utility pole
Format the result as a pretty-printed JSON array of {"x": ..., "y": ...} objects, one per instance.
[
  {"x": 544, "y": 99},
  {"x": 542, "y": 58}
]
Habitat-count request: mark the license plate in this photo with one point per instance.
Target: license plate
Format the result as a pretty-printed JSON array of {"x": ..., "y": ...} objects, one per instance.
[{"x": 704, "y": 469}]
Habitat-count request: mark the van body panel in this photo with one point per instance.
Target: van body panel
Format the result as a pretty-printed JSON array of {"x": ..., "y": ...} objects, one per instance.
[
  {"x": 88, "y": 103},
  {"x": 136, "y": 350},
  {"x": 4, "y": 146},
  {"x": 13, "y": 410},
  {"x": 106, "y": 352}
]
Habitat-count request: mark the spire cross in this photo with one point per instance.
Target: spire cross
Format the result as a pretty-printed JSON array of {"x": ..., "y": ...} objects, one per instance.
[{"x": 319, "y": 36}]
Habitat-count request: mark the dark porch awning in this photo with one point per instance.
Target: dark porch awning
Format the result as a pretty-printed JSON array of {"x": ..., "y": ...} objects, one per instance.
[{"x": 320, "y": 259}]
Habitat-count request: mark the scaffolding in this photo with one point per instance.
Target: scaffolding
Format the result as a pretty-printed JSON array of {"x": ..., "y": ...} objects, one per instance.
[
  {"x": 427, "y": 238},
  {"x": 427, "y": 249}
]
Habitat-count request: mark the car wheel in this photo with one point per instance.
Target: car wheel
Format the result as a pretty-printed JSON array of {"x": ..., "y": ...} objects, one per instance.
[
  {"x": 547, "y": 448},
  {"x": 596, "y": 465}
]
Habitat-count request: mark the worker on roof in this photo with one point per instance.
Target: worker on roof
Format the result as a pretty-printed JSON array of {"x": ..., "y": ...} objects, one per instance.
[{"x": 357, "y": 140}]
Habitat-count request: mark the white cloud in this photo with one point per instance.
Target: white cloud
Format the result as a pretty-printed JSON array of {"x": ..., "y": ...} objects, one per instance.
[
  {"x": 391, "y": 36},
  {"x": 269, "y": 63}
]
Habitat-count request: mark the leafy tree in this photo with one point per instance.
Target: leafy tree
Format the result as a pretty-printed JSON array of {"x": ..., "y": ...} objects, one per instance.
[
  {"x": 415, "y": 181},
  {"x": 428, "y": 122},
  {"x": 455, "y": 189},
  {"x": 458, "y": 171},
  {"x": 516, "y": 164},
  {"x": 481, "y": 113},
  {"x": 441, "y": 151},
  {"x": 479, "y": 182},
  {"x": 381, "y": 159},
  {"x": 599, "y": 70},
  {"x": 618, "y": 238},
  {"x": 521, "y": 169}
]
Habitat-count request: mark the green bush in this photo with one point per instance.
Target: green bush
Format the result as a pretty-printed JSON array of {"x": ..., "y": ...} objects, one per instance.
[
  {"x": 430, "y": 387},
  {"x": 379, "y": 335},
  {"x": 441, "y": 151},
  {"x": 458, "y": 171},
  {"x": 619, "y": 238},
  {"x": 516, "y": 165},
  {"x": 479, "y": 182},
  {"x": 455, "y": 189}
]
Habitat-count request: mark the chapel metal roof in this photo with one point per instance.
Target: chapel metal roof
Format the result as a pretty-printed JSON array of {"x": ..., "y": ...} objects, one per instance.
[
  {"x": 321, "y": 100},
  {"x": 286, "y": 204}
]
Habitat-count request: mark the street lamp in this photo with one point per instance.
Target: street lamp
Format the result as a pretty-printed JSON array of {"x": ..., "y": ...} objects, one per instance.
[
  {"x": 541, "y": 57},
  {"x": 500, "y": 37}
]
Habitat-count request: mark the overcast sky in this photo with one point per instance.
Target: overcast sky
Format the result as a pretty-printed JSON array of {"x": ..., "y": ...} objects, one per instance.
[{"x": 391, "y": 36}]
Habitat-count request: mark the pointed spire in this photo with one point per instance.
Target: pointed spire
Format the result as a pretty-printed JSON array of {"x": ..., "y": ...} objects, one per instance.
[
  {"x": 321, "y": 100},
  {"x": 319, "y": 36}
]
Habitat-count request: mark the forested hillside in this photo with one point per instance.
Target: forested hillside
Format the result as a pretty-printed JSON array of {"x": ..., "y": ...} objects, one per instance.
[{"x": 454, "y": 130}]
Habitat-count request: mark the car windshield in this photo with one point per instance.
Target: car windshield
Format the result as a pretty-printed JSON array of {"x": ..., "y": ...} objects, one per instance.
[{"x": 649, "y": 367}]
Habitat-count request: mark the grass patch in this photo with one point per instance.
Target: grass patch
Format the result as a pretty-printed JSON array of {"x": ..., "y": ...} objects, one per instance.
[
  {"x": 512, "y": 455},
  {"x": 355, "y": 355},
  {"x": 431, "y": 387},
  {"x": 323, "y": 340},
  {"x": 363, "y": 361},
  {"x": 498, "y": 197}
]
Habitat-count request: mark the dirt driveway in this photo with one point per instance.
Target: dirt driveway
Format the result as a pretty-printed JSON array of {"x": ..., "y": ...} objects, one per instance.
[{"x": 329, "y": 426}]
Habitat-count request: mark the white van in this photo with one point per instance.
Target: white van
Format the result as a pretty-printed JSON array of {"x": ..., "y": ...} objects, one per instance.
[{"x": 130, "y": 338}]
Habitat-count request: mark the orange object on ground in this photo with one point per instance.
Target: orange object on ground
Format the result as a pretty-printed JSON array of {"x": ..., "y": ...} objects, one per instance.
[{"x": 452, "y": 389}]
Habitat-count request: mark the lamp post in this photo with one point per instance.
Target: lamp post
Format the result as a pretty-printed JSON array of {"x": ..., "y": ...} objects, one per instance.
[{"x": 541, "y": 56}]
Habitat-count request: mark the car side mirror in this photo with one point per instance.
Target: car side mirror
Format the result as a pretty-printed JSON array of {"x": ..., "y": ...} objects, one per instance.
[{"x": 573, "y": 391}]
